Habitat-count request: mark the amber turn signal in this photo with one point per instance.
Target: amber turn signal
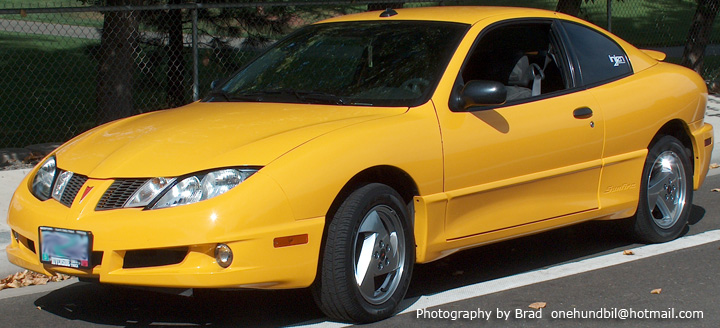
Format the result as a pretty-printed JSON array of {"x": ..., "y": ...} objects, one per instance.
[{"x": 290, "y": 240}]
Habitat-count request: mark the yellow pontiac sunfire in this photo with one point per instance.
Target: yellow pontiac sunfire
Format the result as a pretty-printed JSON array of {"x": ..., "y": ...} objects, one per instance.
[{"x": 361, "y": 145}]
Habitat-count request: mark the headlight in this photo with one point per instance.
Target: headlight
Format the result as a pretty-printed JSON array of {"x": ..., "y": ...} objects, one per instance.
[
  {"x": 219, "y": 182},
  {"x": 163, "y": 192},
  {"x": 184, "y": 192},
  {"x": 44, "y": 178},
  {"x": 148, "y": 192},
  {"x": 60, "y": 184}
]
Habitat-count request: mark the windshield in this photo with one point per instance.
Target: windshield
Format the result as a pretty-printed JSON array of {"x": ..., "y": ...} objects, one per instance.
[{"x": 371, "y": 63}]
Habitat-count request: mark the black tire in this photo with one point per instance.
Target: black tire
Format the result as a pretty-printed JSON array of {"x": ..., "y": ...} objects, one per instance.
[
  {"x": 385, "y": 270},
  {"x": 666, "y": 192}
]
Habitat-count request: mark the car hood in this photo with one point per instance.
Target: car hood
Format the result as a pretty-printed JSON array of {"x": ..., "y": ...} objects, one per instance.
[{"x": 203, "y": 136}]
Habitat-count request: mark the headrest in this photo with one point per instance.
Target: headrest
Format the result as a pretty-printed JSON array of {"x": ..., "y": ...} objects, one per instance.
[{"x": 521, "y": 74}]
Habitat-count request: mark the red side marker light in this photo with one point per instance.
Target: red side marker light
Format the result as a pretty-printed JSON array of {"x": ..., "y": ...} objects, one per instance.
[
  {"x": 290, "y": 240},
  {"x": 708, "y": 142}
]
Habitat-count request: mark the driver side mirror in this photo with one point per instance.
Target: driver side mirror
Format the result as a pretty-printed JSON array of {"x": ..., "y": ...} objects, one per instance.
[{"x": 482, "y": 93}]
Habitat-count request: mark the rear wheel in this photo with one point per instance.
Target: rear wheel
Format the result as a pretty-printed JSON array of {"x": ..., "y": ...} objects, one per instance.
[
  {"x": 368, "y": 257},
  {"x": 665, "y": 194}
]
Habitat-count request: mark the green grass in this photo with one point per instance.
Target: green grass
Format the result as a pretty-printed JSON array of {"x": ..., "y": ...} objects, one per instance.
[
  {"x": 81, "y": 19},
  {"x": 44, "y": 91},
  {"x": 657, "y": 23}
]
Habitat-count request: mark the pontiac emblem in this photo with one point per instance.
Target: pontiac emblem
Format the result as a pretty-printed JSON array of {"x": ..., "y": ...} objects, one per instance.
[{"x": 85, "y": 193}]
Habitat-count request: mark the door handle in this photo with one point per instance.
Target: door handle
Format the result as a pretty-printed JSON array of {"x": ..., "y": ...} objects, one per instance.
[{"x": 583, "y": 112}]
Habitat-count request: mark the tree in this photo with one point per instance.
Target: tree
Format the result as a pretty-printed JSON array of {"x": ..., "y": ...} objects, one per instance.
[
  {"x": 118, "y": 42},
  {"x": 699, "y": 34}
]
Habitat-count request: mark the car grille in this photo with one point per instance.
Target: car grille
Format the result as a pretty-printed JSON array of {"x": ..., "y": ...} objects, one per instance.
[
  {"x": 72, "y": 189},
  {"x": 118, "y": 193}
]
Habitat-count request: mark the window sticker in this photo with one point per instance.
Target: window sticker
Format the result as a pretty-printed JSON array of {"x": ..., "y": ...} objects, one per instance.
[{"x": 617, "y": 60}]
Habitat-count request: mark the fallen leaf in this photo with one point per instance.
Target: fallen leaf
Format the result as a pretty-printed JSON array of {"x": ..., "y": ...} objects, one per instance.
[
  {"x": 714, "y": 165},
  {"x": 39, "y": 308},
  {"x": 628, "y": 252},
  {"x": 41, "y": 281},
  {"x": 537, "y": 305},
  {"x": 656, "y": 291},
  {"x": 20, "y": 275},
  {"x": 29, "y": 278}
]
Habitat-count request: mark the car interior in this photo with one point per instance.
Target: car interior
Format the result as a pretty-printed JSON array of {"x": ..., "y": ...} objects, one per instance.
[{"x": 523, "y": 57}]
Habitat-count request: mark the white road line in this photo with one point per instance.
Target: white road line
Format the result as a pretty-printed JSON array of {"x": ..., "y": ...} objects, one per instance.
[{"x": 538, "y": 276}]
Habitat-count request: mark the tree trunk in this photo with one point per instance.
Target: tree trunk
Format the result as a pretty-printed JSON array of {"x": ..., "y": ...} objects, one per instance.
[
  {"x": 699, "y": 34},
  {"x": 176, "y": 63},
  {"x": 116, "y": 64},
  {"x": 570, "y": 7}
]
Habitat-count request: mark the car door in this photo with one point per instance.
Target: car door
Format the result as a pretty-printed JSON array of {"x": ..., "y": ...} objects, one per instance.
[{"x": 535, "y": 157}]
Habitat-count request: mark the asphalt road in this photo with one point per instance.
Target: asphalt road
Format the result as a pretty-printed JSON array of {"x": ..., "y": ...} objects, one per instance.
[{"x": 686, "y": 276}]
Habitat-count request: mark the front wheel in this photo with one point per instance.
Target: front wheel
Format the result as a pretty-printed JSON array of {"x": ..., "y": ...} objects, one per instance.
[
  {"x": 666, "y": 192},
  {"x": 368, "y": 257}
]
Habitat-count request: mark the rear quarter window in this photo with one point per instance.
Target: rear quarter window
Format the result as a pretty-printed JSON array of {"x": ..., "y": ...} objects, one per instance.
[{"x": 600, "y": 59}]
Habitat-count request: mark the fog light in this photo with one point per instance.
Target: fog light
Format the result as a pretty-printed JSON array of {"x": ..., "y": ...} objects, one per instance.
[{"x": 223, "y": 255}]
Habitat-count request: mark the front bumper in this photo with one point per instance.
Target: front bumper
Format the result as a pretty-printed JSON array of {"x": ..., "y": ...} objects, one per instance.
[{"x": 174, "y": 247}]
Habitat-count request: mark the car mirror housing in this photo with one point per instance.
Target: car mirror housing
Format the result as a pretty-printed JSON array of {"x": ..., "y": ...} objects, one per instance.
[{"x": 482, "y": 93}]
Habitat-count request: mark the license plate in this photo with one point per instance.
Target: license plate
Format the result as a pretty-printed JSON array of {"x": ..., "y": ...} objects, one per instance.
[{"x": 65, "y": 247}]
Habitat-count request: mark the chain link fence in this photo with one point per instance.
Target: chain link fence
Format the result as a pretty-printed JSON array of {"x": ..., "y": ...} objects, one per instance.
[{"x": 67, "y": 67}]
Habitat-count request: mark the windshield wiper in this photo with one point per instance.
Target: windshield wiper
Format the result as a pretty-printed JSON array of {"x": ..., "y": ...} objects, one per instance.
[{"x": 320, "y": 97}]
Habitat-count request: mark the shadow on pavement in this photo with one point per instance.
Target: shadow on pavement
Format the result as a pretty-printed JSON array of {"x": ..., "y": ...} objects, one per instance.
[
  {"x": 126, "y": 307},
  {"x": 118, "y": 306}
]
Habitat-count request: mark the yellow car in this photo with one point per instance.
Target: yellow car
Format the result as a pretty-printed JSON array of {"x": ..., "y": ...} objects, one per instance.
[{"x": 364, "y": 144}]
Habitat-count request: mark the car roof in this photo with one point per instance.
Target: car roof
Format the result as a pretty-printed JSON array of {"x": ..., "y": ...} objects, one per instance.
[{"x": 458, "y": 14}]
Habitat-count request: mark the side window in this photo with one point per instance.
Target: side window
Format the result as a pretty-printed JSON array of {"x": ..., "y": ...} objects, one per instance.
[
  {"x": 600, "y": 58},
  {"x": 521, "y": 55}
]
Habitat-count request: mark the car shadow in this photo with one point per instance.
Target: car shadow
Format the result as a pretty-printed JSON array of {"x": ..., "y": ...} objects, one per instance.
[{"x": 128, "y": 307}]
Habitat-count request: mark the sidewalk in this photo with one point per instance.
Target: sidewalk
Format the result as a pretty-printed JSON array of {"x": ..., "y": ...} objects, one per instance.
[
  {"x": 712, "y": 116},
  {"x": 9, "y": 181}
]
